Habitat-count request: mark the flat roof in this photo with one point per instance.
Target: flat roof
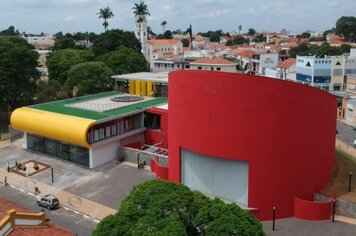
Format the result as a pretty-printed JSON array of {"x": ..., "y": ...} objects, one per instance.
[
  {"x": 91, "y": 106},
  {"x": 161, "y": 77}
]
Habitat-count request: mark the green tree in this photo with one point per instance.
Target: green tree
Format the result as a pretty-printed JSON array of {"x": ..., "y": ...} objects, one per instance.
[
  {"x": 64, "y": 43},
  {"x": 168, "y": 34},
  {"x": 240, "y": 28},
  {"x": 18, "y": 73},
  {"x": 214, "y": 37},
  {"x": 159, "y": 207},
  {"x": 260, "y": 38},
  {"x": 140, "y": 12},
  {"x": 305, "y": 35},
  {"x": 61, "y": 61},
  {"x": 185, "y": 42},
  {"x": 125, "y": 60},
  {"x": 105, "y": 13},
  {"x": 50, "y": 90},
  {"x": 251, "y": 32},
  {"x": 345, "y": 48},
  {"x": 346, "y": 26},
  {"x": 9, "y": 32},
  {"x": 237, "y": 40},
  {"x": 301, "y": 50},
  {"x": 112, "y": 39},
  {"x": 89, "y": 78}
]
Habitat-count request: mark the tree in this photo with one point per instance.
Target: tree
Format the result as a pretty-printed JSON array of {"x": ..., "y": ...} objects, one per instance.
[
  {"x": 64, "y": 43},
  {"x": 237, "y": 40},
  {"x": 61, "y": 61},
  {"x": 89, "y": 78},
  {"x": 260, "y": 38},
  {"x": 214, "y": 37},
  {"x": 300, "y": 50},
  {"x": 251, "y": 32},
  {"x": 305, "y": 35},
  {"x": 18, "y": 73},
  {"x": 240, "y": 28},
  {"x": 150, "y": 31},
  {"x": 168, "y": 34},
  {"x": 112, "y": 39},
  {"x": 140, "y": 12},
  {"x": 50, "y": 90},
  {"x": 345, "y": 48},
  {"x": 9, "y": 32},
  {"x": 163, "y": 24},
  {"x": 185, "y": 42},
  {"x": 159, "y": 207},
  {"x": 125, "y": 60},
  {"x": 346, "y": 26},
  {"x": 105, "y": 13}
]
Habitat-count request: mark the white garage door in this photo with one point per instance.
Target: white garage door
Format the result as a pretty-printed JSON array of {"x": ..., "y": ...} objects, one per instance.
[{"x": 227, "y": 179}]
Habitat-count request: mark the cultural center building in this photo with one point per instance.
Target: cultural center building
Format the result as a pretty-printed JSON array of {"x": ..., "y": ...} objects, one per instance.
[{"x": 256, "y": 141}]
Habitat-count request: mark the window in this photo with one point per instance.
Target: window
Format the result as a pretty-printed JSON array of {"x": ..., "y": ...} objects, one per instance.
[
  {"x": 199, "y": 67},
  {"x": 211, "y": 68},
  {"x": 152, "y": 121},
  {"x": 187, "y": 66},
  {"x": 218, "y": 68}
]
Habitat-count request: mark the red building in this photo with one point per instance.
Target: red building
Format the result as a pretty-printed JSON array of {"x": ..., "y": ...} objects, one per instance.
[{"x": 257, "y": 141}]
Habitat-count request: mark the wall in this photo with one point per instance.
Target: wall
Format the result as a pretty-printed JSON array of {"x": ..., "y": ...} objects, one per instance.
[
  {"x": 285, "y": 130},
  {"x": 103, "y": 153},
  {"x": 161, "y": 172},
  {"x": 154, "y": 136},
  {"x": 342, "y": 208},
  {"x": 310, "y": 210}
]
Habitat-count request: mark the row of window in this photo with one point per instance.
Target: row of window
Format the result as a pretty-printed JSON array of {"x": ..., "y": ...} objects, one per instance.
[
  {"x": 211, "y": 68},
  {"x": 114, "y": 128},
  {"x": 58, "y": 149}
]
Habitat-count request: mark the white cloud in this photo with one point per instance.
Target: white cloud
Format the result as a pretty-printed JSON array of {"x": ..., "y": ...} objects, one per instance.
[{"x": 69, "y": 18}]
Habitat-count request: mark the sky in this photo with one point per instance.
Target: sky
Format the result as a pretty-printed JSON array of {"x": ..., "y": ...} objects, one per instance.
[{"x": 68, "y": 16}]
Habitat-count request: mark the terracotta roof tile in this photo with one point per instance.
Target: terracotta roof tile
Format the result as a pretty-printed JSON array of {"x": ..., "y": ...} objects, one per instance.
[
  {"x": 287, "y": 63},
  {"x": 214, "y": 61},
  {"x": 163, "y": 41}
]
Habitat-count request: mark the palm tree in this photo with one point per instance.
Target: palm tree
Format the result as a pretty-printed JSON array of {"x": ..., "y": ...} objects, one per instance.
[
  {"x": 105, "y": 13},
  {"x": 164, "y": 23},
  {"x": 140, "y": 11},
  {"x": 240, "y": 28}
]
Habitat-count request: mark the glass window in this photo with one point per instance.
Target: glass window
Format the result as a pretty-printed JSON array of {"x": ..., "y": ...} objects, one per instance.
[
  {"x": 35, "y": 143},
  {"x": 152, "y": 121},
  {"x": 79, "y": 155},
  {"x": 63, "y": 150},
  {"x": 50, "y": 147},
  {"x": 199, "y": 67}
]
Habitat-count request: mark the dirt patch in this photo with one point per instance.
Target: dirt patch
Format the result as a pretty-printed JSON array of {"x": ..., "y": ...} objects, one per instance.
[
  {"x": 338, "y": 185},
  {"x": 29, "y": 168}
]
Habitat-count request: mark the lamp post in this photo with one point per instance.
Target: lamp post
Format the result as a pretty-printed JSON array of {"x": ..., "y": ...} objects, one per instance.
[
  {"x": 274, "y": 218},
  {"x": 334, "y": 206},
  {"x": 350, "y": 177}
]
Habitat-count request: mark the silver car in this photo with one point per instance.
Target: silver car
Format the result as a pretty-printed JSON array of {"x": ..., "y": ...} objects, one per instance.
[{"x": 49, "y": 201}]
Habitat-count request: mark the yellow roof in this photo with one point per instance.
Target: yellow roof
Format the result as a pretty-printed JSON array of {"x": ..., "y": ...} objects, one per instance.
[{"x": 60, "y": 127}]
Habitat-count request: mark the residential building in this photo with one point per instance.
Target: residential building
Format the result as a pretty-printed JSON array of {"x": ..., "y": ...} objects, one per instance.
[
  {"x": 163, "y": 48},
  {"x": 214, "y": 64},
  {"x": 286, "y": 69},
  {"x": 41, "y": 42}
]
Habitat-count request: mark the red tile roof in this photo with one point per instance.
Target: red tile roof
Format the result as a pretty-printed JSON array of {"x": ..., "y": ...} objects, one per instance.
[
  {"x": 186, "y": 49},
  {"x": 213, "y": 61},
  {"x": 287, "y": 63},
  {"x": 163, "y": 41}
]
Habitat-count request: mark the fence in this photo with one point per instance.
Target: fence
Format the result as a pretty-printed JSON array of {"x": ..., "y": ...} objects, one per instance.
[
  {"x": 343, "y": 208},
  {"x": 14, "y": 219},
  {"x": 139, "y": 156}
]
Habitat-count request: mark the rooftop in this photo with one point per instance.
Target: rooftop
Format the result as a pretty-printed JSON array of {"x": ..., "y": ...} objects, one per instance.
[
  {"x": 213, "y": 61},
  {"x": 163, "y": 41},
  {"x": 98, "y": 106},
  {"x": 160, "y": 77}
]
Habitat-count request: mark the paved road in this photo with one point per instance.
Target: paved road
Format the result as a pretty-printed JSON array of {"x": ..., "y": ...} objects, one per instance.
[
  {"x": 346, "y": 133},
  {"x": 67, "y": 219}
]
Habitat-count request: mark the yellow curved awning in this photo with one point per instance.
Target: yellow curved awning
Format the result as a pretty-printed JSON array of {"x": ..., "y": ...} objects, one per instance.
[{"x": 60, "y": 127}]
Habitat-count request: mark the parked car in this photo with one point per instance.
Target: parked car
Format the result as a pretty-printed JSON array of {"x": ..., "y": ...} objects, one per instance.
[{"x": 49, "y": 201}]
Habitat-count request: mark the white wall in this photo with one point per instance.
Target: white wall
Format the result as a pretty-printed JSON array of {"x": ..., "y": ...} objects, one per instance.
[{"x": 102, "y": 154}]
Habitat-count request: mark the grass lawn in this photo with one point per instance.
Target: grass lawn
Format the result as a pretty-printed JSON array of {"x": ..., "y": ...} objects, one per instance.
[{"x": 339, "y": 182}]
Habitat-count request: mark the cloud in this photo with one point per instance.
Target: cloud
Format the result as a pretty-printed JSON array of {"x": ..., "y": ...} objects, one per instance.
[{"x": 69, "y": 18}]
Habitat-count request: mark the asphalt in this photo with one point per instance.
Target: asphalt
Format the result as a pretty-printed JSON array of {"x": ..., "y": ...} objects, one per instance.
[{"x": 346, "y": 132}]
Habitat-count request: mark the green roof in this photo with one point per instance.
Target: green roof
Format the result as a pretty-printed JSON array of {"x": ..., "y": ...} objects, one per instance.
[{"x": 59, "y": 106}]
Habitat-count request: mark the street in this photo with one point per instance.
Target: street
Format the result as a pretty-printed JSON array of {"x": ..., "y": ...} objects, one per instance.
[{"x": 67, "y": 219}]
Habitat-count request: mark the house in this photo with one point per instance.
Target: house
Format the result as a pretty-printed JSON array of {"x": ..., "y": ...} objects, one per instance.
[
  {"x": 163, "y": 48},
  {"x": 214, "y": 64},
  {"x": 286, "y": 69}
]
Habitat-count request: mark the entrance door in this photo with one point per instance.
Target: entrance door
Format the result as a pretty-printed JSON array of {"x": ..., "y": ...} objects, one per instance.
[{"x": 224, "y": 178}]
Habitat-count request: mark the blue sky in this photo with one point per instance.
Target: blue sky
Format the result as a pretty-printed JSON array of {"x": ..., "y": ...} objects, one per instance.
[{"x": 51, "y": 16}]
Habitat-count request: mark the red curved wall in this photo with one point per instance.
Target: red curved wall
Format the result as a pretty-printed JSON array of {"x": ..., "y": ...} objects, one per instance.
[
  {"x": 285, "y": 130},
  {"x": 310, "y": 210}
]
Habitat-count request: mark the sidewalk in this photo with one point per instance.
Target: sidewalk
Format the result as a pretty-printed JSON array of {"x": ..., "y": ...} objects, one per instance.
[{"x": 67, "y": 200}]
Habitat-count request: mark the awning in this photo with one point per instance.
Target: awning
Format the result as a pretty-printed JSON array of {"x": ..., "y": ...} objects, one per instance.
[{"x": 60, "y": 127}]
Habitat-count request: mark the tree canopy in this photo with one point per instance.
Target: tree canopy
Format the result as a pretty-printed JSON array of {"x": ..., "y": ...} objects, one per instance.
[
  {"x": 112, "y": 39},
  {"x": 18, "y": 73},
  {"x": 320, "y": 51},
  {"x": 346, "y": 26},
  {"x": 125, "y": 60},
  {"x": 59, "y": 62},
  {"x": 141, "y": 9},
  {"x": 158, "y": 207},
  {"x": 185, "y": 42},
  {"x": 89, "y": 78},
  {"x": 237, "y": 40}
]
